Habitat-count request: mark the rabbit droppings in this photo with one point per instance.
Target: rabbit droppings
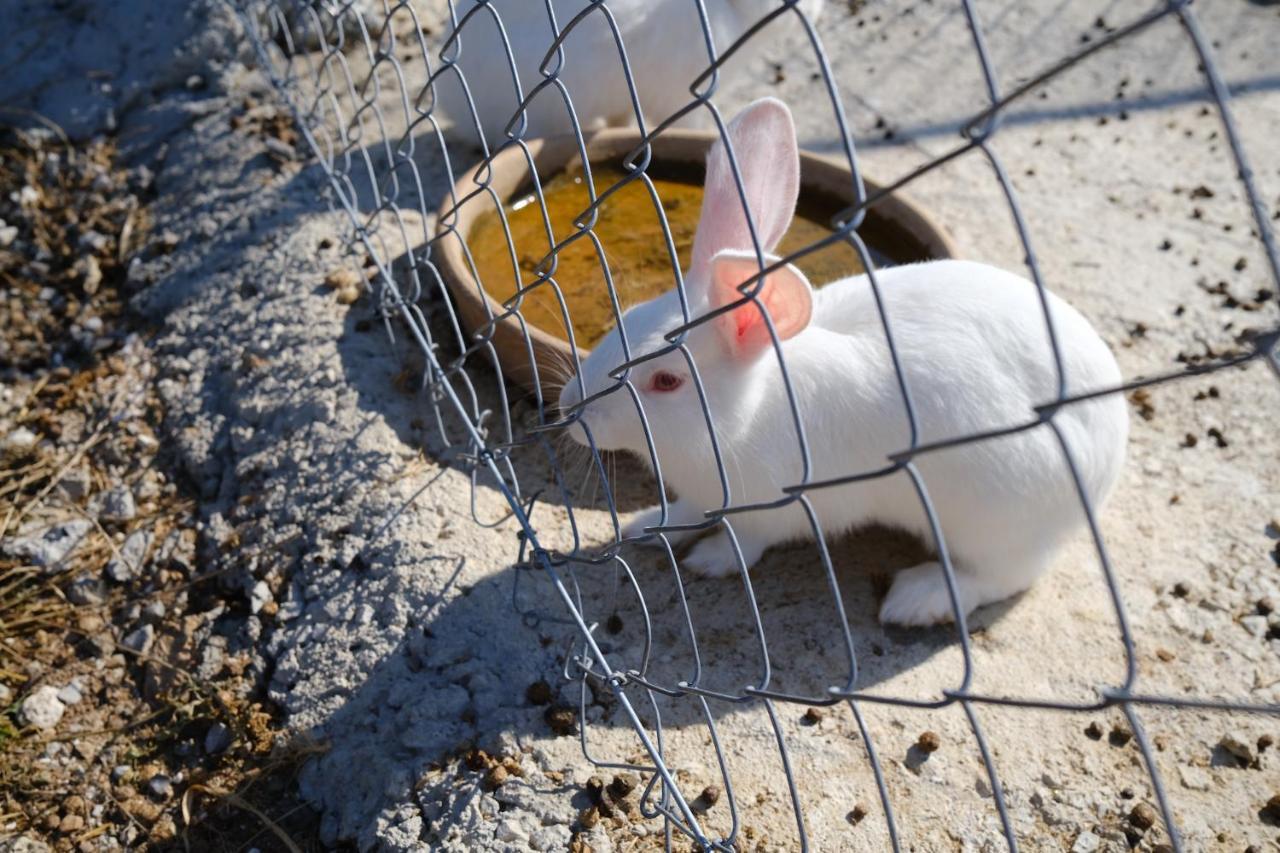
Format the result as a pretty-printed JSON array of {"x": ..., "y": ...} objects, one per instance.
[
  {"x": 665, "y": 49},
  {"x": 973, "y": 348}
]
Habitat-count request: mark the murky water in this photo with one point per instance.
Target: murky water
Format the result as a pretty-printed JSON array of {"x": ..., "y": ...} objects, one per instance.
[{"x": 630, "y": 237}]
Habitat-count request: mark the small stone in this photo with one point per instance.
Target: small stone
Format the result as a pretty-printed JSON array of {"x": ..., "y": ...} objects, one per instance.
[
  {"x": 28, "y": 845},
  {"x": 6, "y": 695},
  {"x": 928, "y": 742},
  {"x": 160, "y": 786},
  {"x": 153, "y": 612},
  {"x": 856, "y": 814},
  {"x": 1239, "y": 746},
  {"x": 71, "y": 823},
  {"x": 194, "y": 82},
  {"x": 1093, "y": 731},
  {"x": 589, "y": 817},
  {"x": 70, "y": 695},
  {"x": 260, "y": 596},
  {"x": 1265, "y": 606},
  {"x": 1143, "y": 816},
  {"x": 1265, "y": 742},
  {"x": 710, "y": 796},
  {"x": 140, "y": 640},
  {"x": 119, "y": 773},
  {"x": 812, "y": 716},
  {"x": 1194, "y": 778},
  {"x": 86, "y": 590},
  {"x": 18, "y": 441},
  {"x": 128, "y": 564},
  {"x": 1271, "y": 810},
  {"x": 1165, "y": 655},
  {"x": 511, "y": 830},
  {"x": 1086, "y": 842},
  {"x": 42, "y": 709},
  {"x": 75, "y": 484},
  {"x": 561, "y": 719},
  {"x": 217, "y": 739},
  {"x": 538, "y": 693},
  {"x": 595, "y": 788},
  {"x": 50, "y": 548},
  {"x": 1255, "y": 625},
  {"x": 118, "y": 505}
]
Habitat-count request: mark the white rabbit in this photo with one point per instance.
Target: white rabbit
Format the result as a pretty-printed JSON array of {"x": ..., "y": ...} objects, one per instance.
[
  {"x": 665, "y": 47},
  {"x": 974, "y": 351}
]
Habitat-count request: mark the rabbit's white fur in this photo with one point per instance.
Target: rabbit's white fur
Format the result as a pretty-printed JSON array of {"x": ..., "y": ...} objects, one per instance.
[
  {"x": 972, "y": 343},
  {"x": 665, "y": 47}
]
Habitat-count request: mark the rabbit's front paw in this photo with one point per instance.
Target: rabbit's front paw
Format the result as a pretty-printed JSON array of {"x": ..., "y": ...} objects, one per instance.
[
  {"x": 645, "y": 518},
  {"x": 713, "y": 557},
  {"x": 677, "y": 513},
  {"x": 919, "y": 596}
]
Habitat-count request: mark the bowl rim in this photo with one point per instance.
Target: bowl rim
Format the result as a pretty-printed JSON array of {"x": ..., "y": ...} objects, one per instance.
[{"x": 510, "y": 169}]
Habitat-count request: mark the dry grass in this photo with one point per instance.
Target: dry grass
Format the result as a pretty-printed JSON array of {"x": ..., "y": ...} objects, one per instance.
[{"x": 75, "y": 385}]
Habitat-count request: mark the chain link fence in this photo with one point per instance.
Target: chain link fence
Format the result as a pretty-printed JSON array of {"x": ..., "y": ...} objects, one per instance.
[{"x": 377, "y": 129}]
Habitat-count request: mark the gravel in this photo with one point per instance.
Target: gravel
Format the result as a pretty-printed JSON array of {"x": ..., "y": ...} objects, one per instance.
[
  {"x": 49, "y": 548},
  {"x": 70, "y": 695},
  {"x": 160, "y": 786},
  {"x": 128, "y": 564},
  {"x": 140, "y": 639},
  {"x": 42, "y": 709},
  {"x": 217, "y": 739},
  {"x": 118, "y": 506}
]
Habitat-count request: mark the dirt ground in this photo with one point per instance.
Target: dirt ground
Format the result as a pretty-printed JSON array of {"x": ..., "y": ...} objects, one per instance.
[{"x": 317, "y": 645}]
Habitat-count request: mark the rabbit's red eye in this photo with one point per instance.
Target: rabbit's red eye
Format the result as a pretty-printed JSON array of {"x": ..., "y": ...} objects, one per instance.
[{"x": 664, "y": 381}]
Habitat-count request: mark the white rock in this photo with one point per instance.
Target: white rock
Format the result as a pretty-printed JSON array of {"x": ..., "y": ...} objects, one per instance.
[
  {"x": 140, "y": 640},
  {"x": 42, "y": 708},
  {"x": 1194, "y": 778},
  {"x": 259, "y": 596},
  {"x": 511, "y": 830},
  {"x": 133, "y": 554},
  {"x": 87, "y": 589},
  {"x": 1086, "y": 842},
  {"x": 70, "y": 695},
  {"x": 1255, "y": 625},
  {"x": 50, "y": 548},
  {"x": 1239, "y": 746},
  {"x": 118, "y": 505},
  {"x": 19, "y": 441}
]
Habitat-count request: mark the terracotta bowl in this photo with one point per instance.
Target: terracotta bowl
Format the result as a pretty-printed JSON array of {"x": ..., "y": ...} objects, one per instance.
[{"x": 895, "y": 227}]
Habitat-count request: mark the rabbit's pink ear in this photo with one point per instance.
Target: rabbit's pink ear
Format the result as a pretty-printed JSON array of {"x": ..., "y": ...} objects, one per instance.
[
  {"x": 764, "y": 145},
  {"x": 786, "y": 295}
]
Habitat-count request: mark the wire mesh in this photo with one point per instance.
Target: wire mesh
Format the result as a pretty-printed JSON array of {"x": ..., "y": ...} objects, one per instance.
[{"x": 341, "y": 68}]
